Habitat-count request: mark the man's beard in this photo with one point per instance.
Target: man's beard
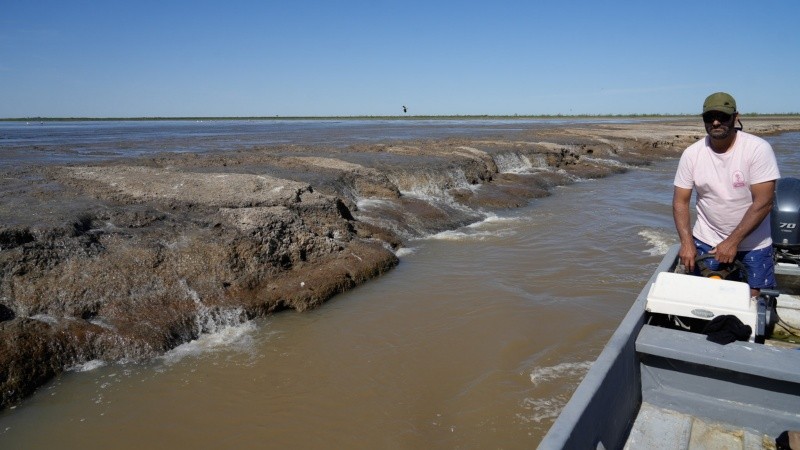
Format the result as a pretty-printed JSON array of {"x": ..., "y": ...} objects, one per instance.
[{"x": 721, "y": 132}]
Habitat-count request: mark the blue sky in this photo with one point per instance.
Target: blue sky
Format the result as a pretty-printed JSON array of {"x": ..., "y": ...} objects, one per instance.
[{"x": 313, "y": 58}]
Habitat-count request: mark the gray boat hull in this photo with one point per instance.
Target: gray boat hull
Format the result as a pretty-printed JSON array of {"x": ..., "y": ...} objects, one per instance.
[{"x": 751, "y": 386}]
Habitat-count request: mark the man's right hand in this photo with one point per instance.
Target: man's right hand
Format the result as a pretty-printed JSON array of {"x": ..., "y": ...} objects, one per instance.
[{"x": 687, "y": 255}]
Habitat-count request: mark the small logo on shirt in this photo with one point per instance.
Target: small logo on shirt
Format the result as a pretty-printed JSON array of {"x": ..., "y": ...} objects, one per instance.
[{"x": 738, "y": 179}]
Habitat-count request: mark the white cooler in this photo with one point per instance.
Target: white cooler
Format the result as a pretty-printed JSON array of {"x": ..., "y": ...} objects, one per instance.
[{"x": 702, "y": 298}]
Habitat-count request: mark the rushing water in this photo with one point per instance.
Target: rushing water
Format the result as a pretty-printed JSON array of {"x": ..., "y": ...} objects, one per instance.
[{"x": 476, "y": 340}]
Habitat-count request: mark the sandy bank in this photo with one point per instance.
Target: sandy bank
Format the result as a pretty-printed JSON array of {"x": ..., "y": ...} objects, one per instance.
[{"x": 129, "y": 259}]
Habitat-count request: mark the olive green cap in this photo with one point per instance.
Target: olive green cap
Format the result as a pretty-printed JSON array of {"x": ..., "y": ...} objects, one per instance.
[{"x": 720, "y": 101}]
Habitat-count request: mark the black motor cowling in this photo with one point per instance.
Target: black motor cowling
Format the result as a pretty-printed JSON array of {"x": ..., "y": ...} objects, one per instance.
[{"x": 785, "y": 215}]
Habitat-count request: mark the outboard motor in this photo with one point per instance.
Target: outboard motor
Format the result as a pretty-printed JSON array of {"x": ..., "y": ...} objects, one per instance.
[{"x": 785, "y": 219}]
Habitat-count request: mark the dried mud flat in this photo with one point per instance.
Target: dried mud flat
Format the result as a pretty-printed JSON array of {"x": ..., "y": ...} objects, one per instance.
[{"x": 128, "y": 259}]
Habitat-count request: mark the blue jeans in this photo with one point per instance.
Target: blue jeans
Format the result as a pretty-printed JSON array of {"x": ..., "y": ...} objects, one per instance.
[{"x": 759, "y": 265}]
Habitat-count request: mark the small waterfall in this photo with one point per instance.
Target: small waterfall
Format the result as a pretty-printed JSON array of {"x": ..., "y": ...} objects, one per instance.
[
  {"x": 431, "y": 185},
  {"x": 212, "y": 320},
  {"x": 427, "y": 204},
  {"x": 515, "y": 162}
]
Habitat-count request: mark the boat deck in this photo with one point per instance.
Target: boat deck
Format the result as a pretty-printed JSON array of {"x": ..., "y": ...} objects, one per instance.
[
  {"x": 661, "y": 428},
  {"x": 724, "y": 391}
]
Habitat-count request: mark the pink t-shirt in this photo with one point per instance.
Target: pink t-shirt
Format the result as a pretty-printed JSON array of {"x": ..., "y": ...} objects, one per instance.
[{"x": 722, "y": 183}]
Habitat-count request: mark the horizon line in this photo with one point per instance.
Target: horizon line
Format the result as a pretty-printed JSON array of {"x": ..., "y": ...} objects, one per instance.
[{"x": 411, "y": 117}]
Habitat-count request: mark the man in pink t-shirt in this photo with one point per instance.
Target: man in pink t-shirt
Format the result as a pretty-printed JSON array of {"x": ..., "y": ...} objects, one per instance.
[{"x": 734, "y": 175}]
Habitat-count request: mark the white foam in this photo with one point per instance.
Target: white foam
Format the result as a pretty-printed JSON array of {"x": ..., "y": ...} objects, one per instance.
[
  {"x": 480, "y": 230},
  {"x": 452, "y": 235},
  {"x": 404, "y": 251},
  {"x": 659, "y": 240},
  {"x": 608, "y": 162},
  {"x": 547, "y": 374},
  {"x": 238, "y": 338},
  {"x": 469, "y": 234},
  {"x": 542, "y": 409},
  {"x": 494, "y": 218},
  {"x": 88, "y": 366}
]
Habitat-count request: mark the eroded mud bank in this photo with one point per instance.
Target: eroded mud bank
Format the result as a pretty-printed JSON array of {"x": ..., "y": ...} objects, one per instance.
[{"x": 126, "y": 260}]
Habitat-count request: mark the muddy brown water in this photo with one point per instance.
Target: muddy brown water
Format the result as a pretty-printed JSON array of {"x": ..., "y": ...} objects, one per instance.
[{"x": 476, "y": 340}]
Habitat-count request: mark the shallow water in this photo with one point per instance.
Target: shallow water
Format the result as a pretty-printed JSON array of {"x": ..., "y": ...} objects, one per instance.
[
  {"x": 476, "y": 340},
  {"x": 23, "y": 143}
]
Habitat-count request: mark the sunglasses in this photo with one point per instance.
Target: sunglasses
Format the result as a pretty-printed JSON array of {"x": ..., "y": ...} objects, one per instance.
[{"x": 721, "y": 117}]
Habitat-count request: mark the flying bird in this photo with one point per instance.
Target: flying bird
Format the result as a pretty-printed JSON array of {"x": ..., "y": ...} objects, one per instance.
[{"x": 405, "y": 110}]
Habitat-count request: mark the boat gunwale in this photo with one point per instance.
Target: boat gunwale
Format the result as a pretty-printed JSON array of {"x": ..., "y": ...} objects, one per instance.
[{"x": 576, "y": 426}]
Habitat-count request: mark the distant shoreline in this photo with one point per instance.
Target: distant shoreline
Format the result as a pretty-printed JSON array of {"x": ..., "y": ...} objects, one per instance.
[{"x": 404, "y": 117}]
